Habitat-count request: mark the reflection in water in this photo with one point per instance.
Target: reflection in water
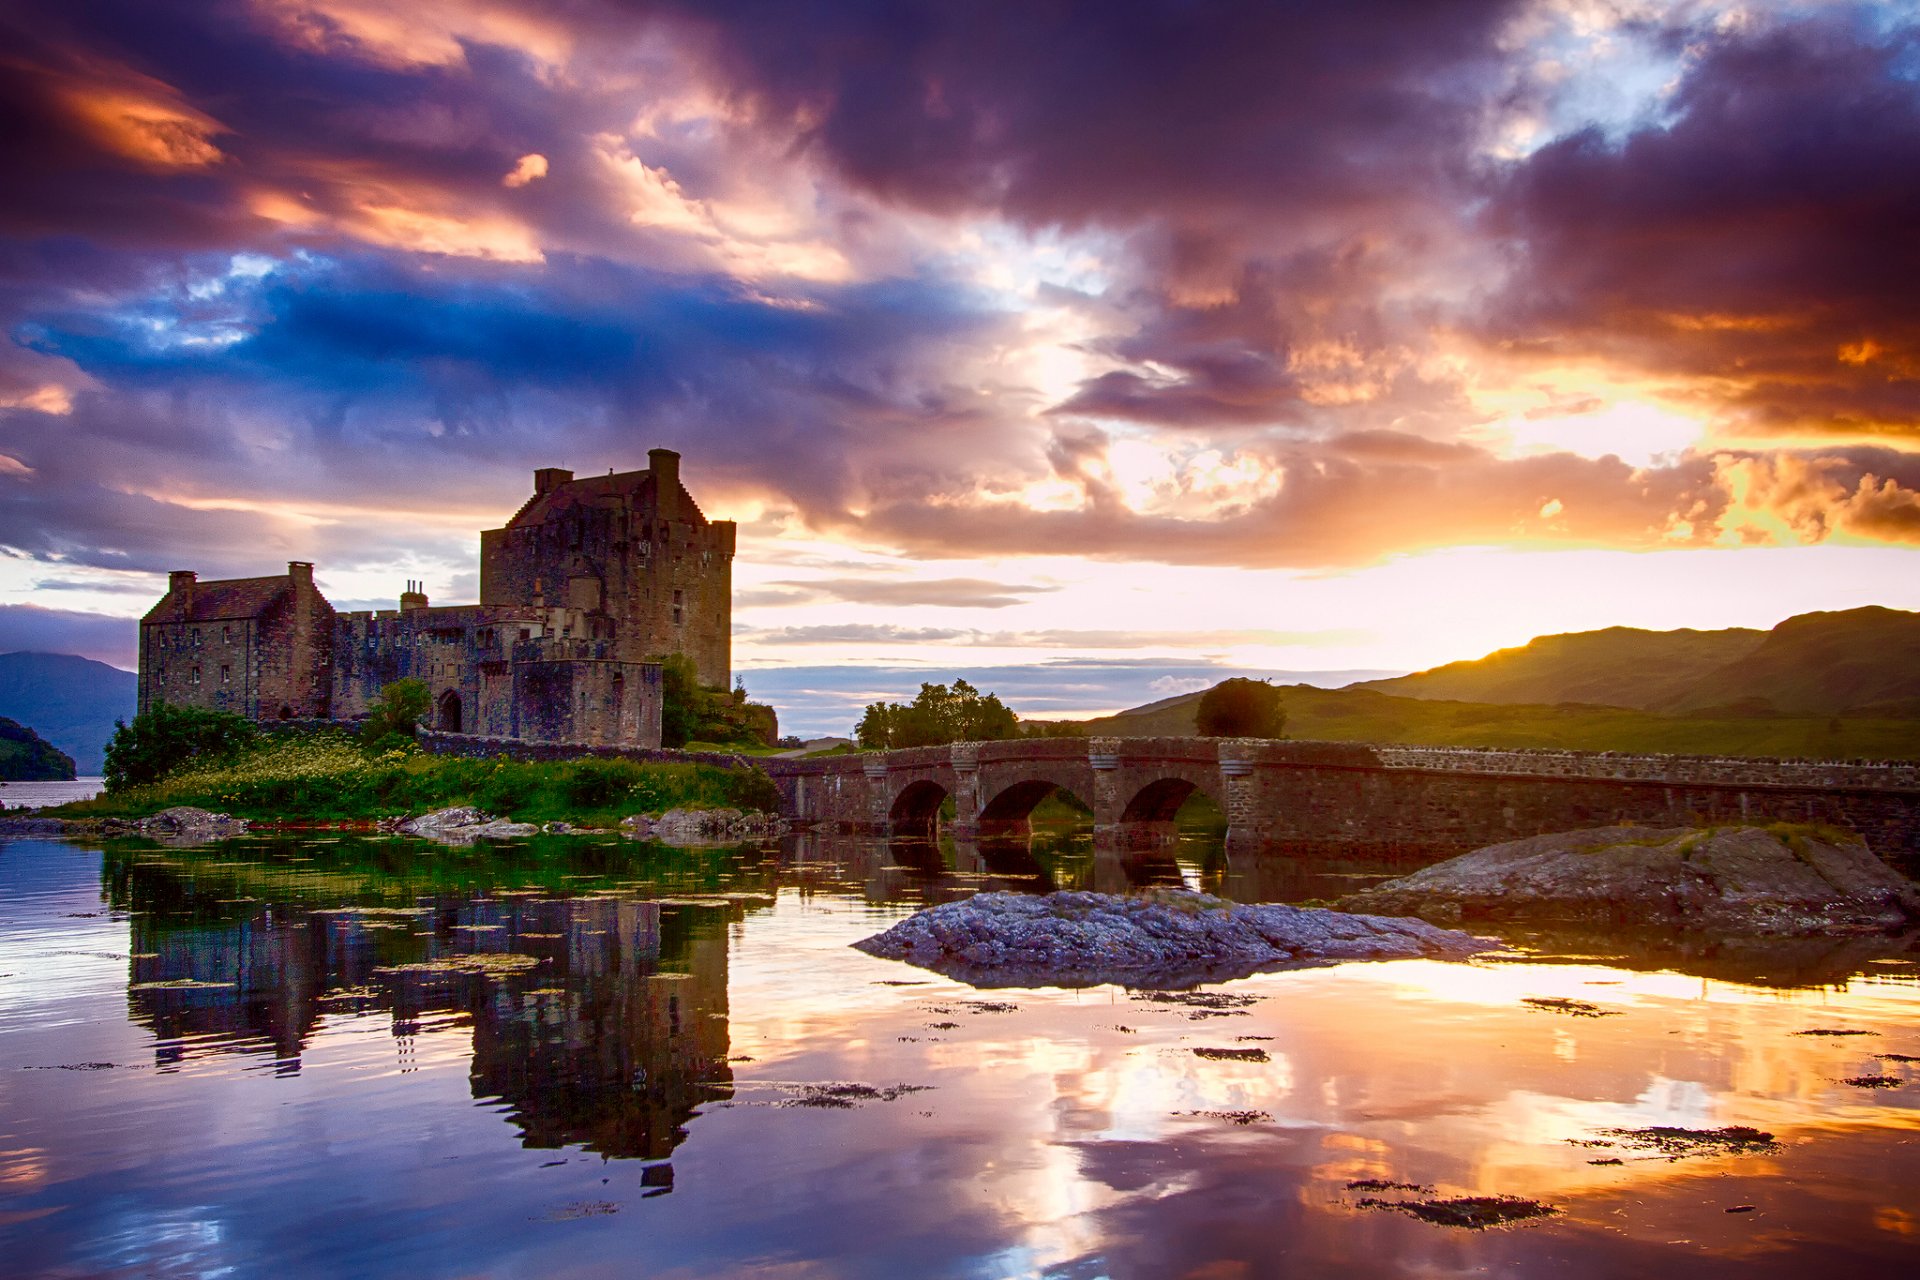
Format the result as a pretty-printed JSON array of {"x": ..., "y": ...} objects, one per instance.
[
  {"x": 600, "y": 1020},
  {"x": 306, "y": 1050}
]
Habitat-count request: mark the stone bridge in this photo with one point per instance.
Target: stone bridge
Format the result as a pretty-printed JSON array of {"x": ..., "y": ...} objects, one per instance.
[{"x": 1326, "y": 796}]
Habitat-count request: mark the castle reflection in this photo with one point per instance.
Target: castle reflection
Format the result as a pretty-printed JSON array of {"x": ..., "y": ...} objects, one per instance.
[{"x": 599, "y": 1020}]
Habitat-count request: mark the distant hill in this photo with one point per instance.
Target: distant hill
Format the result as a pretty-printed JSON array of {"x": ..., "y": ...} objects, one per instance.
[
  {"x": 72, "y": 702},
  {"x": 1855, "y": 662},
  {"x": 27, "y": 757},
  {"x": 1821, "y": 664},
  {"x": 1364, "y": 715},
  {"x": 1615, "y": 667}
]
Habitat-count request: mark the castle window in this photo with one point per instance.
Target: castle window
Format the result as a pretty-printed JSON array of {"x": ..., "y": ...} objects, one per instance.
[
  {"x": 525, "y": 634},
  {"x": 196, "y": 637},
  {"x": 226, "y": 635},
  {"x": 226, "y": 674},
  {"x": 195, "y": 677}
]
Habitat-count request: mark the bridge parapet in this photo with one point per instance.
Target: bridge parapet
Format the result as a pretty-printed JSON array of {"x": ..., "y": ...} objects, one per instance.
[{"x": 1677, "y": 770}]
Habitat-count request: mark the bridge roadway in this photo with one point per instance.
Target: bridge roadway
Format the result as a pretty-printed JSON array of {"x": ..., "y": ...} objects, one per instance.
[{"x": 1326, "y": 796}]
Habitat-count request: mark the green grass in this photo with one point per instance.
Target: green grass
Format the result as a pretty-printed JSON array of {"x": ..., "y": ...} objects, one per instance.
[
  {"x": 1361, "y": 715},
  {"x": 326, "y": 777}
]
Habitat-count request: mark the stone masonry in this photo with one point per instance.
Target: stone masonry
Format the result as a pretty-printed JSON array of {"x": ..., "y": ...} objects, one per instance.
[{"x": 582, "y": 593}]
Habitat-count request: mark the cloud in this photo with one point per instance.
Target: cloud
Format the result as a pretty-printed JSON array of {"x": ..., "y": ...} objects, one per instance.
[
  {"x": 526, "y": 169},
  {"x": 1867, "y": 493},
  {"x": 1760, "y": 240},
  {"x": 1326, "y": 508},
  {"x": 325, "y": 278},
  {"x": 946, "y": 593}
]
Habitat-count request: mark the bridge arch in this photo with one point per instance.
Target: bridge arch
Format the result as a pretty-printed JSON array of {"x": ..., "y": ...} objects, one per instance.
[
  {"x": 1161, "y": 799},
  {"x": 916, "y": 809},
  {"x": 1009, "y": 809}
]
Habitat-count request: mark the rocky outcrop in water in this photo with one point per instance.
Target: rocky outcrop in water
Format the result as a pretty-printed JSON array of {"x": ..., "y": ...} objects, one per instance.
[
  {"x": 1164, "y": 940},
  {"x": 1738, "y": 880},
  {"x": 704, "y": 826},
  {"x": 464, "y": 825}
]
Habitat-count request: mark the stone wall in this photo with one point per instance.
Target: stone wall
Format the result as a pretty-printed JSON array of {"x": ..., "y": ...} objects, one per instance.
[{"x": 473, "y": 747}]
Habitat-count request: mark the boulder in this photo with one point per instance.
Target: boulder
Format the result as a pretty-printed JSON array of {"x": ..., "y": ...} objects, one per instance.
[
  {"x": 1162, "y": 940},
  {"x": 1776, "y": 880},
  {"x": 464, "y": 825},
  {"x": 186, "y": 824},
  {"x": 703, "y": 826}
]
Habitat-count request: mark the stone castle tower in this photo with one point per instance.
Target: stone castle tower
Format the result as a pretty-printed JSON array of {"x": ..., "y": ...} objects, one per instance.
[{"x": 629, "y": 551}]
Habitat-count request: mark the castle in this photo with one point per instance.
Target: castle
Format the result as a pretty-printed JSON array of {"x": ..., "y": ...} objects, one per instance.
[{"x": 582, "y": 593}]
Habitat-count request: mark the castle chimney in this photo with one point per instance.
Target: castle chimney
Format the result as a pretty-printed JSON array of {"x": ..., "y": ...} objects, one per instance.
[
  {"x": 300, "y": 571},
  {"x": 414, "y": 597},
  {"x": 180, "y": 587},
  {"x": 547, "y": 479},
  {"x": 665, "y": 465}
]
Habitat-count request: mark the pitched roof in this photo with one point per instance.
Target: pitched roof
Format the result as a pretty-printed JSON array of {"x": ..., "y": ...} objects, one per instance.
[
  {"x": 222, "y": 599},
  {"x": 634, "y": 487}
]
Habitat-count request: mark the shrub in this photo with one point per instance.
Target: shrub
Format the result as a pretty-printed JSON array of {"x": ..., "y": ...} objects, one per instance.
[
  {"x": 599, "y": 784},
  {"x": 394, "y": 716},
  {"x": 507, "y": 791},
  {"x": 753, "y": 789},
  {"x": 164, "y": 739}
]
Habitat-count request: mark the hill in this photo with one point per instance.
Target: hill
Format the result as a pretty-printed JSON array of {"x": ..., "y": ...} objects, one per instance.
[
  {"x": 72, "y": 702},
  {"x": 27, "y": 757},
  {"x": 1821, "y": 664},
  {"x": 1364, "y": 715},
  {"x": 1615, "y": 667},
  {"x": 1862, "y": 662}
]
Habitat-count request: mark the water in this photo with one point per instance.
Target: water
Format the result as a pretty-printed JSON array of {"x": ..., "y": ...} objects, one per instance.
[
  {"x": 307, "y": 1058},
  {"x": 34, "y": 795}
]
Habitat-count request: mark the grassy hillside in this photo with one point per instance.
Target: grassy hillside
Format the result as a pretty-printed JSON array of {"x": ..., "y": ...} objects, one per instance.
[
  {"x": 1616, "y": 667},
  {"x": 70, "y": 701},
  {"x": 329, "y": 777},
  {"x": 1821, "y": 663},
  {"x": 27, "y": 757},
  {"x": 1363, "y": 715}
]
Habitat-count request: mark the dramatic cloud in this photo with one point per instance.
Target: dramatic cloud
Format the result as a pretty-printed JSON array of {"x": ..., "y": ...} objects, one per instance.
[
  {"x": 1263, "y": 285},
  {"x": 1761, "y": 240}
]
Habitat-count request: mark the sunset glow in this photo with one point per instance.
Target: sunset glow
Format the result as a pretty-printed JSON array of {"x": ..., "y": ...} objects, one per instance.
[{"x": 1279, "y": 340}]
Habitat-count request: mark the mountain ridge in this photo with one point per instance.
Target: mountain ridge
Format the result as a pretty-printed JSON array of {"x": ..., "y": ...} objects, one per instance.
[{"x": 70, "y": 701}]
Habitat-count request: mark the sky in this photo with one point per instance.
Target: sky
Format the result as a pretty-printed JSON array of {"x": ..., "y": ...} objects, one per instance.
[{"x": 1100, "y": 349}]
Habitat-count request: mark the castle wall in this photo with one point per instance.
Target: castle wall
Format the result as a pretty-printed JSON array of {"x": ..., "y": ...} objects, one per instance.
[{"x": 582, "y": 593}]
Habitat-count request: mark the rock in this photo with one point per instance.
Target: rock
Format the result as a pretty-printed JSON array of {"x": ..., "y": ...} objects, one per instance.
[
  {"x": 1164, "y": 940},
  {"x": 19, "y": 823},
  {"x": 1740, "y": 880},
  {"x": 703, "y": 826},
  {"x": 186, "y": 824},
  {"x": 463, "y": 825}
]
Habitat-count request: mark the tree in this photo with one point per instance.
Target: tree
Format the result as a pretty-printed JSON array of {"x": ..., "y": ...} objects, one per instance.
[
  {"x": 394, "y": 716},
  {"x": 1241, "y": 708},
  {"x": 938, "y": 714},
  {"x": 165, "y": 738}
]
